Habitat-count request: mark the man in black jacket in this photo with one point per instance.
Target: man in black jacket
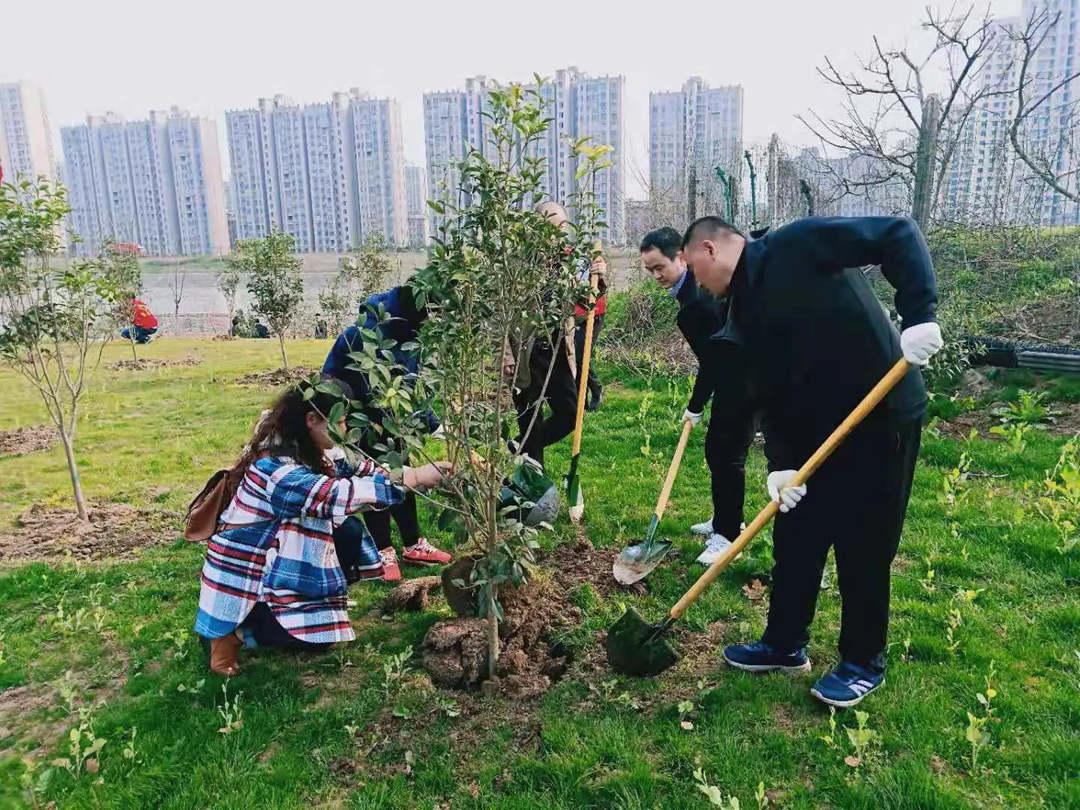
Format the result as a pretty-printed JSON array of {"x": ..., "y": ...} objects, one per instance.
[
  {"x": 816, "y": 340},
  {"x": 720, "y": 372}
]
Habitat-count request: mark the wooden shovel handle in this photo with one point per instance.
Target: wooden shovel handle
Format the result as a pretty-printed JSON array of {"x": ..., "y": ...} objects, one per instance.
[
  {"x": 862, "y": 410},
  {"x": 586, "y": 356},
  {"x": 673, "y": 470}
]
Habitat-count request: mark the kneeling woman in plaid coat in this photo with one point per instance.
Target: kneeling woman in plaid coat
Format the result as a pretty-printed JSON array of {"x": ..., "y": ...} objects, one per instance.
[{"x": 272, "y": 576}]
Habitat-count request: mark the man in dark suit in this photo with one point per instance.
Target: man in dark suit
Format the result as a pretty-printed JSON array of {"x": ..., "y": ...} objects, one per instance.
[
  {"x": 720, "y": 378},
  {"x": 816, "y": 340}
]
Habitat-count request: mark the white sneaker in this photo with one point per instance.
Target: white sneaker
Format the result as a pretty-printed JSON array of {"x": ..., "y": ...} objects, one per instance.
[
  {"x": 704, "y": 529},
  {"x": 716, "y": 545}
]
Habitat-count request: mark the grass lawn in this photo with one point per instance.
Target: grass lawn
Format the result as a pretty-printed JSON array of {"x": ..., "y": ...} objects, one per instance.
[{"x": 105, "y": 650}]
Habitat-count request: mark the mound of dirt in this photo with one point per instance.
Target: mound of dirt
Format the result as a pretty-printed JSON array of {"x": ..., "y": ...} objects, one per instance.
[
  {"x": 412, "y": 594},
  {"x": 223, "y": 337},
  {"x": 455, "y": 651},
  {"x": 276, "y": 378},
  {"x": 582, "y": 563},
  {"x": 115, "y": 530},
  {"x": 20, "y": 441},
  {"x": 147, "y": 363}
]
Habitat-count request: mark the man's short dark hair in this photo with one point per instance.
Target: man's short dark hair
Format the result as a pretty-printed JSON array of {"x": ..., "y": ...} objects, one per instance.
[
  {"x": 708, "y": 228},
  {"x": 666, "y": 240}
]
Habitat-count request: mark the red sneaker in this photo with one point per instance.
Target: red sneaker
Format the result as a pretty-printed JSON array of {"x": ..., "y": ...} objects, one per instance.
[
  {"x": 390, "y": 570},
  {"x": 423, "y": 553}
]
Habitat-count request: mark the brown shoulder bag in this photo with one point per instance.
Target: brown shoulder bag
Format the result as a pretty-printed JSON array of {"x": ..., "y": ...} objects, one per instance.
[{"x": 204, "y": 512}]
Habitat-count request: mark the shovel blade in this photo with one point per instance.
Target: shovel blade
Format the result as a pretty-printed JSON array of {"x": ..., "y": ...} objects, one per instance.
[
  {"x": 636, "y": 562},
  {"x": 635, "y": 647}
]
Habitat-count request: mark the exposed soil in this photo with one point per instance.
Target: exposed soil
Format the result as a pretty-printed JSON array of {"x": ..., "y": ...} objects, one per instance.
[
  {"x": 455, "y": 651},
  {"x": 276, "y": 378},
  {"x": 412, "y": 594},
  {"x": 148, "y": 363},
  {"x": 1065, "y": 422},
  {"x": 223, "y": 337},
  {"x": 32, "y": 720},
  {"x": 24, "y": 717},
  {"x": 20, "y": 441},
  {"x": 576, "y": 565},
  {"x": 115, "y": 530}
]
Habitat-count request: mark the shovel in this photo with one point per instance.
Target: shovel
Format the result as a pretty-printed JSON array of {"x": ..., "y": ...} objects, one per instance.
[
  {"x": 636, "y": 562},
  {"x": 634, "y": 646},
  {"x": 575, "y": 499}
]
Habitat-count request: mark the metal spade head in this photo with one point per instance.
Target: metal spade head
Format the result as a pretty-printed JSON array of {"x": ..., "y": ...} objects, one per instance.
[
  {"x": 636, "y": 562},
  {"x": 535, "y": 495},
  {"x": 635, "y": 647}
]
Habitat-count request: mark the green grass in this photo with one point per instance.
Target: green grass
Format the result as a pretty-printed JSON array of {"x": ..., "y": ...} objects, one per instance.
[{"x": 319, "y": 731}]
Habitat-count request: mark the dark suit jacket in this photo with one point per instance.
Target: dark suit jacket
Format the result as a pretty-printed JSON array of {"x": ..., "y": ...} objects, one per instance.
[
  {"x": 701, "y": 315},
  {"x": 815, "y": 338}
]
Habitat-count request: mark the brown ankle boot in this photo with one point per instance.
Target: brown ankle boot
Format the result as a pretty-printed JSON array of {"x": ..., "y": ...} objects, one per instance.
[{"x": 223, "y": 653}]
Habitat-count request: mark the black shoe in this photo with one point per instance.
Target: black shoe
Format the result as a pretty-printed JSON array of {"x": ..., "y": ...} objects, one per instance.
[{"x": 596, "y": 398}]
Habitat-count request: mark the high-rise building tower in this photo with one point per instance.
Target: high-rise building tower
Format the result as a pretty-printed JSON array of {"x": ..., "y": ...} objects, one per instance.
[{"x": 26, "y": 149}]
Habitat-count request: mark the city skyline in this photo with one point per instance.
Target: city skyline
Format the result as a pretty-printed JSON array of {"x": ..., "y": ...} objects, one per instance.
[
  {"x": 334, "y": 173},
  {"x": 655, "y": 54},
  {"x": 156, "y": 182}
]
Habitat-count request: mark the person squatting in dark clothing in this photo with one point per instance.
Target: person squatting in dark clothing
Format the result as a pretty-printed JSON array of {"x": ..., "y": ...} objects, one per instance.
[{"x": 394, "y": 315}]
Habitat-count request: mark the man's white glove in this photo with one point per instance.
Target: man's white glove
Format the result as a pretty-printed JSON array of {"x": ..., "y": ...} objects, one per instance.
[
  {"x": 691, "y": 417},
  {"x": 782, "y": 493},
  {"x": 438, "y": 433},
  {"x": 921, "y": 342}
]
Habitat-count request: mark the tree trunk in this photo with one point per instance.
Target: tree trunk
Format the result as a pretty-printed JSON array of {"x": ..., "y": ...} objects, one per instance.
[
  {"x": 691, "y": 194},
  {"x": 284, "y": 358},
  {"x": 493, "y": 632},
  {"x": 922, "y": 202},
  {"x": 73, "y": 471},
  {"x": 772, "y": 179},
  {"x": 131, "y": 340}
]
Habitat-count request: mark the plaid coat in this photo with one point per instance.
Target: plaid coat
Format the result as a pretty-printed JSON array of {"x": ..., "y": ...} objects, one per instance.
[{"x": 279, "y": 549}]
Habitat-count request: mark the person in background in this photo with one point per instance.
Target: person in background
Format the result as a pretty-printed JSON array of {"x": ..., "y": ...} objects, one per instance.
[
  {"x": 261, "y": 329},
  {"x": 401, "y": 324},
  {"x": 721, "y": 378},
  {"x": 816, "y": 341},
  {"x": 273, "y": 575},
  {"x": 595, "y": 389},
  {"x": 320, "y": 326},
  {"x": 144, "y": 324},
  {"x": 552, "y": 352}
]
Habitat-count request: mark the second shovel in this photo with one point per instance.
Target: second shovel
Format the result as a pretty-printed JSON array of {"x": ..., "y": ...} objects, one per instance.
[{"x": 636, "y": 562}]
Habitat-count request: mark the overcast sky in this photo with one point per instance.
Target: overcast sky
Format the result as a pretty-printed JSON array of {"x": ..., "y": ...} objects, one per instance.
[{"x": 130, "y": 56}]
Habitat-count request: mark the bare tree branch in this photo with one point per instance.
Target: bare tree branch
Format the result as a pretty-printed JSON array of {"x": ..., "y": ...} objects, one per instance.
[{"x": 1030, "y": 41}]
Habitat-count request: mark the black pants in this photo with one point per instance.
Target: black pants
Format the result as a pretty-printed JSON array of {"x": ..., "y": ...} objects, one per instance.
[
  {"x": 856, "y": 503},
  {"x": 579, "y": 350},
  {"x": 726, "y": 443},
  {"x": 404, "y": 515},
  {"x": 560, "y": 396},
  {"x": 268, "y": 633}
]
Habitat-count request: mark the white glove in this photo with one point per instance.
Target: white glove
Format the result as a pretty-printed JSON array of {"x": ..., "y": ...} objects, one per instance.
[
  {"x": 438, "y": 433},
  {"x": 921, "y": 342},
  {"x": 691, "y": 417},
  {"x": 782, "y": 493}
]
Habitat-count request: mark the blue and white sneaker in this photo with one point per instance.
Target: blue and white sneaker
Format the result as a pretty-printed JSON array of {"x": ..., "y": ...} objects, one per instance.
[
  {"x": 761, "y": 657},
  {"x": 847, "y": 684}
]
